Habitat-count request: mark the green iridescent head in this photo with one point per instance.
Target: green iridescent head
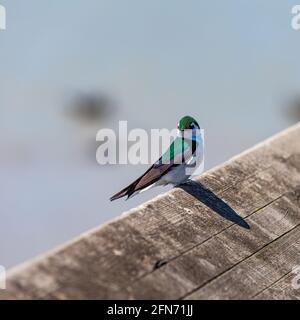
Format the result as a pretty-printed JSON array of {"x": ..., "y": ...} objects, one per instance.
[{"x": 187, "y": 122}]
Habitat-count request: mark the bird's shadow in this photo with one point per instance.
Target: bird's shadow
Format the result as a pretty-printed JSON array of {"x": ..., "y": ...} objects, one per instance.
[{"x": 208, "y": 198}]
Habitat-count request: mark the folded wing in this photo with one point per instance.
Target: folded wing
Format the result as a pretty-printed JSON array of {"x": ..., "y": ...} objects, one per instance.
[{"x": 179, "y": 151}]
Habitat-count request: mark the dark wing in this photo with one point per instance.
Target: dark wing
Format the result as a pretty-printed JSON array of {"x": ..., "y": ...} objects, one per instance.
[
  {"x": 148, "y": 178},
  {"x": 157, "y": 170}
]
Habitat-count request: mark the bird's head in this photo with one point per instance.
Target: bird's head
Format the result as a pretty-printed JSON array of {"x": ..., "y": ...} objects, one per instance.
[{"x": 188, "y": 123}]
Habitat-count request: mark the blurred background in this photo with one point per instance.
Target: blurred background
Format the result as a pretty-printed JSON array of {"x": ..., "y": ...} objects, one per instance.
[{"x": 69, "y": 68}]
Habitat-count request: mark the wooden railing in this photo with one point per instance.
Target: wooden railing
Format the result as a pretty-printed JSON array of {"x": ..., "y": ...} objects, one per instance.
[{"x": 233, "y": 233}]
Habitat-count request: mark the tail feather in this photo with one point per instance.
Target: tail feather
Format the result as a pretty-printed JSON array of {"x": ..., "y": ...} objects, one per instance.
[
  {"x": 118, "y": 195},
  {"x": 128, "y": 191},
  {"x": 148, "y": 179}
]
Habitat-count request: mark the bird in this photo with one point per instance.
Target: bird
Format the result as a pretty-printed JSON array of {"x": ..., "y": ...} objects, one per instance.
[{"x": 185, "y": 152}]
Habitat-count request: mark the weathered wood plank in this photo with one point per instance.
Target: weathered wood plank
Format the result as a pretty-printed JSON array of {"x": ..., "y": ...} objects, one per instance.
[
  {"x": 256, "y": 273},
  {"x": 177, "y": 243},
  {"x": 219, "y": 253},
  {"x": 283, "y": 289}
]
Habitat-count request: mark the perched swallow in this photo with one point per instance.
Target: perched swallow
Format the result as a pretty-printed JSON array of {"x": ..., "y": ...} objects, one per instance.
[{"x": 186, "y": 151}]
